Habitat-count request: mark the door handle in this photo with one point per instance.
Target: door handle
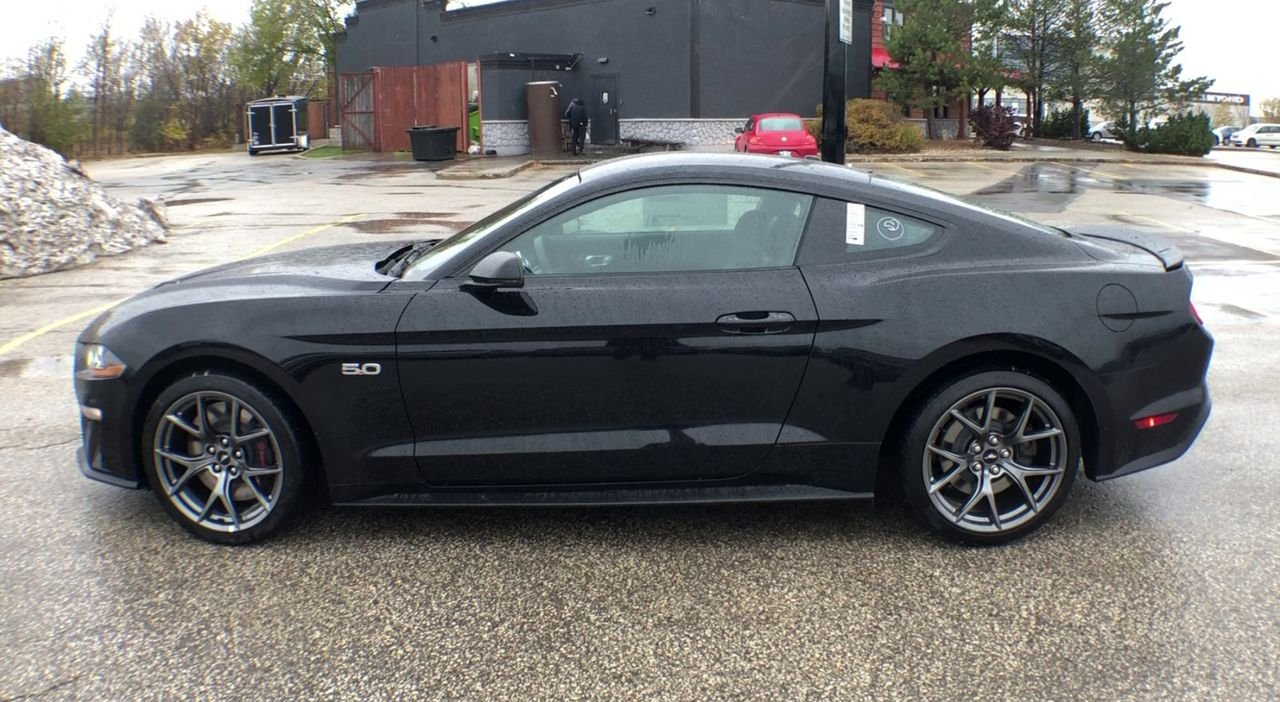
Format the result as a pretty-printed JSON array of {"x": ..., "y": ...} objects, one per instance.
[{"x": 755, "y": 322}]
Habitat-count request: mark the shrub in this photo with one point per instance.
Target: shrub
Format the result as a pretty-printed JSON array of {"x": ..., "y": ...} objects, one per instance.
[
  {"x": 1184, "y": 134},
  {"x": 874, "y": 127},
  {"x": 815, "y": 126},
  {"x": 1060, "y": 124},
  {"x": 994, "y": 126}
]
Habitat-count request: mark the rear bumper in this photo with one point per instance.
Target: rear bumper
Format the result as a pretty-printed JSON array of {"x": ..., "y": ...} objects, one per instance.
[
  {"x": 796, "y": 151},
  {"x": 1124, "y": 448},
  {"x": 1165, "y": 444}
]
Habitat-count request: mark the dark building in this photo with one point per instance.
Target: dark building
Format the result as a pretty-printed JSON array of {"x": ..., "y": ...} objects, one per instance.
[{"x": 678, "y": 70}]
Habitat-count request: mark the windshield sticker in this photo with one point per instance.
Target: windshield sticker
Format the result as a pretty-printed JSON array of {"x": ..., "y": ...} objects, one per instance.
[
  {"x": 889, "y": 228},
  {"x": 855, "y": 224}
]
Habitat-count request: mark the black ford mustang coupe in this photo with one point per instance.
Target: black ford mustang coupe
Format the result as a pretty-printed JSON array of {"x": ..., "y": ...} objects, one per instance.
[{"x": 675, "y": 328}]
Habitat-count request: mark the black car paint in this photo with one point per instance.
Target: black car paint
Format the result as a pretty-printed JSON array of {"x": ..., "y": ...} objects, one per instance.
[{"x": 552, "y": 387}]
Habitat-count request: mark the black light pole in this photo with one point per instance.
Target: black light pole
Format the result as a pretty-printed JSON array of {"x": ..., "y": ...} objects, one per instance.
[{"x": 834, "y": 131}]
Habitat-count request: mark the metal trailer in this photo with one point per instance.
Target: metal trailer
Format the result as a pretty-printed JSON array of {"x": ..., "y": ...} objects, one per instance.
[{"x": 278, "y": 124}]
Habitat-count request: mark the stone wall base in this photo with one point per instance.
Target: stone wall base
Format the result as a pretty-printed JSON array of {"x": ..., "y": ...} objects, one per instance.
[
  {"x": 946, "y": 128},
  {"x": 511, "y": 137}
]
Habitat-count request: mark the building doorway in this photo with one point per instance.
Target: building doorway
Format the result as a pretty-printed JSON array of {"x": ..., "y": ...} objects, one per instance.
[{"x": 604, "y": 109}]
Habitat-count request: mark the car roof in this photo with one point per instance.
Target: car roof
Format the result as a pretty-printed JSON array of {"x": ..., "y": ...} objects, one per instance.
[
  {"x": 767, "y": 115},
  {"x": 723, "y": 165},
  {"x": 799, "y": 175}
]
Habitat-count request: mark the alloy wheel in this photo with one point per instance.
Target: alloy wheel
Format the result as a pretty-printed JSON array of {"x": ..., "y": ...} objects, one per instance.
[
  {"x": 219, "y": 461},
  {"x": 995, "y": 460}
]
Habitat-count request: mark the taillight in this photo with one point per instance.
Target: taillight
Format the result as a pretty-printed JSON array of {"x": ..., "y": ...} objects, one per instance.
[
  {"x": 1155, "y": 420},
  {"x": 754, "y": 140},
  {"x": 1195, "y": 315}
]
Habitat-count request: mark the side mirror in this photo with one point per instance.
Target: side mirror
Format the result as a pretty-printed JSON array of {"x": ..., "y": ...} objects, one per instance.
[
  {"x": 737, "y": 130},
  {"x": 500, "y": 269}
]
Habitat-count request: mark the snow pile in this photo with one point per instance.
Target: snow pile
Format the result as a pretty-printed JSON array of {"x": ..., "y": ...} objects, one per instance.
[{"x": 52, "y": 216}]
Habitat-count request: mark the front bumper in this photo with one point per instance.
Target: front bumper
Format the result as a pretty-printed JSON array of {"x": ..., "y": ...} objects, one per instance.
[
  {"x": 107, "y": 451},
  {"x": 89, "y": 471}
]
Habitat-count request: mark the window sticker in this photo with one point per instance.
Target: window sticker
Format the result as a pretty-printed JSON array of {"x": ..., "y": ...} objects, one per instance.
[
  {"x": 855, "y": 224},
  {"x": 890, "y": 228}
]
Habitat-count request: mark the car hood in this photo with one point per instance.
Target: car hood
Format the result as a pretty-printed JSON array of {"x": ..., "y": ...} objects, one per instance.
[
  {"x": 315, "y": 273},
  {"x": 354, "y": 263}
]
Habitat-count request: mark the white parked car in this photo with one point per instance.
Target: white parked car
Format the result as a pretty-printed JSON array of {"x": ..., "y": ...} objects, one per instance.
[
  {"x": 1256, "y": 135},
  {"x": 1222, "y": 135},
  {"x": 1102, "y": 130}
]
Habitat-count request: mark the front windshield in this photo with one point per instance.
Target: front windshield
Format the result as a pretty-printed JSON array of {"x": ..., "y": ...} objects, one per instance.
[{"x": 435, "y": 258}]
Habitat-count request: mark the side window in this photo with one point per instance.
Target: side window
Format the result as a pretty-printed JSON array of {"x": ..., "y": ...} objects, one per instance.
[
  {"x": 751, "y": 123},
  {"x": 844, "y": 231},
  {"x": 668, "y": 228}
]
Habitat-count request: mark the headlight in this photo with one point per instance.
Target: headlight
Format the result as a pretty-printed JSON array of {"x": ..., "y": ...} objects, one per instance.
[{"x": 98, "y": 363}]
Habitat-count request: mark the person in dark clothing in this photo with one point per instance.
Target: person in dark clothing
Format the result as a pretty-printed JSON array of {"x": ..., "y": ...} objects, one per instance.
[{"x": 577, "y": 116}]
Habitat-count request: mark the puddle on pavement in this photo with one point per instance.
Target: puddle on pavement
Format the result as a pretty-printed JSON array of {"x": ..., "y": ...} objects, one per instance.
[
  {"x": 13, "y": 367},
  {"x": 1239, "y": 311},
  {"x": 408, "y": 221},
  {"x": 1041, "y": 178},
  {"x": 1036, "y": 188}
]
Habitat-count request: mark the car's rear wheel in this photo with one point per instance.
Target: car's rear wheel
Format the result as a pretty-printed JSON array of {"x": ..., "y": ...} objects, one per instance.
[
  {"x": 223, "y": 458},
  {"x": 990, "y": 457}
]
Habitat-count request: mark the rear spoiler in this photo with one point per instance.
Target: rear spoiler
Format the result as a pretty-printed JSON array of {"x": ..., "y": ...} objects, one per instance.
[{"x": 1153, "y": 244}]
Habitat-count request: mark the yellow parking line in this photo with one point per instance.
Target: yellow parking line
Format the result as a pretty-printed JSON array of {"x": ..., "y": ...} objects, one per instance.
[
  {"x": 918, "y": 174},
  {"x": 37, "y": 333},
  {"x": 15, "y": 343},
  {"x": 980, "y": 164},
  {"x": 314, "y": 230}
]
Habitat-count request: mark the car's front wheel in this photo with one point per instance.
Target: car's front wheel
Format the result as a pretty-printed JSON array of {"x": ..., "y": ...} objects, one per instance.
[
  {"x": 1252, "y": 143},
  {"x": 990, "y": 457},
  {"x": 223, "y": 458}
]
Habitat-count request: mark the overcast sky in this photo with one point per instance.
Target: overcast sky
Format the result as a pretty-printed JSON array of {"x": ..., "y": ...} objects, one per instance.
[{"x": 1227, "y": 41}]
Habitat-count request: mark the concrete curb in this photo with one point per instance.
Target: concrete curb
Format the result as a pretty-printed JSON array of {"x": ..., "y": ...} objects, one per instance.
[
  {"x": 855, "y": 159},
  {"x": 1246, "y": 169},
  {"x": 462, "y": 172}
]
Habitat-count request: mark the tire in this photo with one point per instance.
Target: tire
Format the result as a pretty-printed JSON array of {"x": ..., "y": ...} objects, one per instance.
[
  {"x": 1253, "y": 143},
  {"x": 1096, "y": 136},
  {"x": 226, "y": 484},
  {"x": 253, "y": 152},
  {"x": 1021, "y": 476}
]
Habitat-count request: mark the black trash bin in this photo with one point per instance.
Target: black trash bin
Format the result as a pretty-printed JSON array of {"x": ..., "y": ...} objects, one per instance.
[{"x": 432, "y": 143}]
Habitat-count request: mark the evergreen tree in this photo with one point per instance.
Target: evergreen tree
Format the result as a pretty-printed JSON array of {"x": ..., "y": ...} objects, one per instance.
[
  {"x": 936, "y": 66},
  {"x": 1136, "y": 69}
]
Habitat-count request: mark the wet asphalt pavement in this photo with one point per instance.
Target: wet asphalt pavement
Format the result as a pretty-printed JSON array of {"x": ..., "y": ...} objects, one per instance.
[{"x": 1163, "y": 585}]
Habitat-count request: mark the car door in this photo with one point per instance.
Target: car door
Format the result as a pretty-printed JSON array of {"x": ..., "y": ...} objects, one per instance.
[
  {"x": 660, "y": 335},
  {"x": 1269, "y": 136}
]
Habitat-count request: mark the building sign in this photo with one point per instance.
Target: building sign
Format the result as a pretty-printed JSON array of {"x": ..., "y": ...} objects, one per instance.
[
  {"x": 1224, "y": 99},
  {"x": 846, "y": 21}
]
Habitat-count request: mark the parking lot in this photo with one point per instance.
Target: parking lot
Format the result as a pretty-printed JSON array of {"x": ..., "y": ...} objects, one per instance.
[{"x": 1165, "y": 584}]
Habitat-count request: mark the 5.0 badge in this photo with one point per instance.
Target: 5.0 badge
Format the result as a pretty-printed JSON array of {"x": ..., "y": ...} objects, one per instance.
[{"x": 361, "y": 368}]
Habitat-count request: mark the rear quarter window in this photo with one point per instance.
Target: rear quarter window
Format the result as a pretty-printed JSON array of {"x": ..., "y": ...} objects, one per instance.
[{"x": 844, "y": 232}]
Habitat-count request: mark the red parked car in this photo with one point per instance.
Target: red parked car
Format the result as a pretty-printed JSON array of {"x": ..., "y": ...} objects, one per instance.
[{"x": 778, "y": 133}]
